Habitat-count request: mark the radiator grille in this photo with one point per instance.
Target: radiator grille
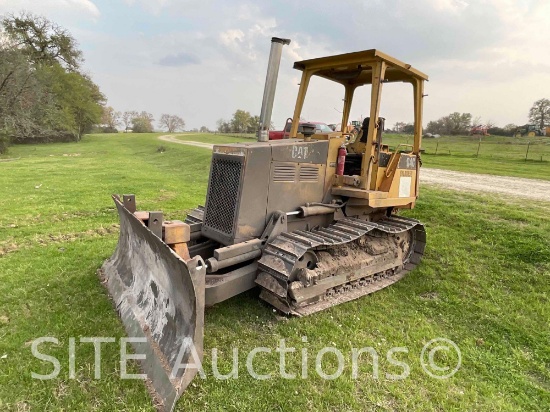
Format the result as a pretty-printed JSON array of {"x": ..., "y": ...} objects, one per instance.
[
  {"x": 309, "y": 174},
  {"x": 223, "y": 193},
  {"x": 284, "y": 172}
]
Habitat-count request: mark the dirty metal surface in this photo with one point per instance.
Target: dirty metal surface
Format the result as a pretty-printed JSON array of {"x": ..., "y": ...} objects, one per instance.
[
  {"x": 160, "y": 299},
  {"x": 352, "y": 258}
]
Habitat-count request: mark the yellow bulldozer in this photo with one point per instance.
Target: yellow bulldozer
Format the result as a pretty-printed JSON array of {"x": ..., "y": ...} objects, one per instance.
[{"x": 310, "y": 220}]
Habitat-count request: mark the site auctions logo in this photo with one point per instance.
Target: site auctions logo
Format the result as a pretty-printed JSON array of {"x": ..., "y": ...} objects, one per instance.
[
  {"x": 431, "y": 349},
  {"x": 440, "y": 358}
]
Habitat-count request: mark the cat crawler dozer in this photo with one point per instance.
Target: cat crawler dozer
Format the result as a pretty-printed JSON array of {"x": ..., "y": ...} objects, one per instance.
[{"x": 311, "y": 220}]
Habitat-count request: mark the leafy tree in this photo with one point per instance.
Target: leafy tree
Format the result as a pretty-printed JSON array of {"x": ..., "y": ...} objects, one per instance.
[
  {"x": 498, "y": 131},
  {"x": 408, "y": 128},
  {"x": 127, "y": 119},
  {"x": 453, "y": 124},
  {"x": 44, "y": 102},
  {"x": 540, "y": 113},
  {"x": 43, "y": 41},
  {"x": 219, "y": 125},
  {"x": 253, "y": 124},
  {"x": 171, "y": 122},
  {"x": 110, "y": 117},
  {"x": 43, "y": 96},
  {"x": 240, "y": 121},
  {"x": 458, "y": 123},
  {"x": 18, "y": 92},
  {"x": 224, "y": 126},
  {"x": 78, "y": 100},
  {"x": 398, "y": 127},
  {"x": 204, "y": 129},
  {"x": 143, "y": 122}
]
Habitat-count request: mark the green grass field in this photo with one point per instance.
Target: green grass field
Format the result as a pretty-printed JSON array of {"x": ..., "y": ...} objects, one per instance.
[{"x": 484, "y": 283}]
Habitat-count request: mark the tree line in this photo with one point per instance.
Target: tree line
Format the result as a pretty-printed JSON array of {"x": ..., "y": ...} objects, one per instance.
[
  {"x": 461, "y": 123},
  {"x": 44, "y": 93},
  {"x": 137, "y": 122},
  {"x": 241, "y": 122}
]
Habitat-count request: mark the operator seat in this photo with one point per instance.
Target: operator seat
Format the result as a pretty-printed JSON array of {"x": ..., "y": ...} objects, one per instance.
[
  {"x": 353, "y": 162},
  {"x": 363, "y": 134},
  {"x": 352, "y": 166}
]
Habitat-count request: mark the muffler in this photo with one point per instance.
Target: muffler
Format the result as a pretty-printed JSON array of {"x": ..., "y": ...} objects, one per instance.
[{"x": 270, "y": 86}]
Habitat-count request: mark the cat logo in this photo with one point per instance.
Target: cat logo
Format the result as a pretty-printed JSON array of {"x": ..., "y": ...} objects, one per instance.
[
  {"x": 300, "y": 152},
  {"x": 411, "y": 163}
]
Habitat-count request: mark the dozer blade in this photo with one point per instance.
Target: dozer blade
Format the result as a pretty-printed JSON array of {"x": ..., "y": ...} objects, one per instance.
[{"x": 160, "y": 299}]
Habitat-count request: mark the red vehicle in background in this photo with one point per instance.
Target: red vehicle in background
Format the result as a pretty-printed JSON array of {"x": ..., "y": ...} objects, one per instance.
[
  {"x": 480, "y": 130},
  {"x": 281, "y": 134}
]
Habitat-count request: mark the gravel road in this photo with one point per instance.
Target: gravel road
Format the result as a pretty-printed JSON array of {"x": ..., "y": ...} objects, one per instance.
[
  {"x": 172, "y": 139},
  {"x": 503, "y": 185}
]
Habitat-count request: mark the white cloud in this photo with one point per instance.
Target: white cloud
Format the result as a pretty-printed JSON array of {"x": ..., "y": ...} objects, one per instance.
[
  {"x": 455, "y": 6},
  {"x": 49, "y": 7},
  {"x": 231, "y": 37},
  {"x": 293, "y": 51},
  {"x": 247, "y": 11},
  {"x": 487, "y": 57},
  {"x": 183, "y": 7}
]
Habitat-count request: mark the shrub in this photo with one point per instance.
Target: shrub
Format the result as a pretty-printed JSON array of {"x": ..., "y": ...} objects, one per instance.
[
  {"x": 51, "y": 136},
  {"x": 104, "y": 129},
  {"x": 498, "y": 131}
]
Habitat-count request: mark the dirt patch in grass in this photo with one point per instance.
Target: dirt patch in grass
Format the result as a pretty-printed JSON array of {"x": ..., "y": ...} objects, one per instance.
[
  {"x": 71, "y": 237},
  {"x": 40, "y": 218},
  {"x": 10, "y": 246},
  {"x": 166, "y": 195},
  {"x": 429, "y": 296},
  {"x": 22, "y": 406},
  {"x": 539, "y": 379}
]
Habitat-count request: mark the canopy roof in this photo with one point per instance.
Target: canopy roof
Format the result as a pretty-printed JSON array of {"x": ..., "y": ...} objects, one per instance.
[{"x": 356, "y": 68}]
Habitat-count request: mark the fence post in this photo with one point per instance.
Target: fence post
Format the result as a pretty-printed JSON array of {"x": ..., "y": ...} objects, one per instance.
[
  {"x": 478, "y": 146},
  {"x": 527, "y": 152},
  {"x": 436, "y": 146}
]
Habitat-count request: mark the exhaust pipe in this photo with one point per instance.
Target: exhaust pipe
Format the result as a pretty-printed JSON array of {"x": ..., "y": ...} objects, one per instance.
[{"x": 270, "y": 86}]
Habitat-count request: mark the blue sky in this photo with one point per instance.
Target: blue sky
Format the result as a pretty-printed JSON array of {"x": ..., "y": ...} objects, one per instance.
[{"x": 204, "y": 59}]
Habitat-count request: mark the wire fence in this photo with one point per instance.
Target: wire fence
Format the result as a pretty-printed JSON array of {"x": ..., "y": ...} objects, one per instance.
[
  {"x": 495, "y": 147},
  {"x": 536, "y": 149}
]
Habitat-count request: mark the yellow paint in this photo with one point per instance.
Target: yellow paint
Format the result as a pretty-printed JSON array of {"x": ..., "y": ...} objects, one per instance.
[{"x": 352, "y": 70}]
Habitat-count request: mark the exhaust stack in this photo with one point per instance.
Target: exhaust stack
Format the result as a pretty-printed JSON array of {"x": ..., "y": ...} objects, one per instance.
[{"x": 270, "y": 86}]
